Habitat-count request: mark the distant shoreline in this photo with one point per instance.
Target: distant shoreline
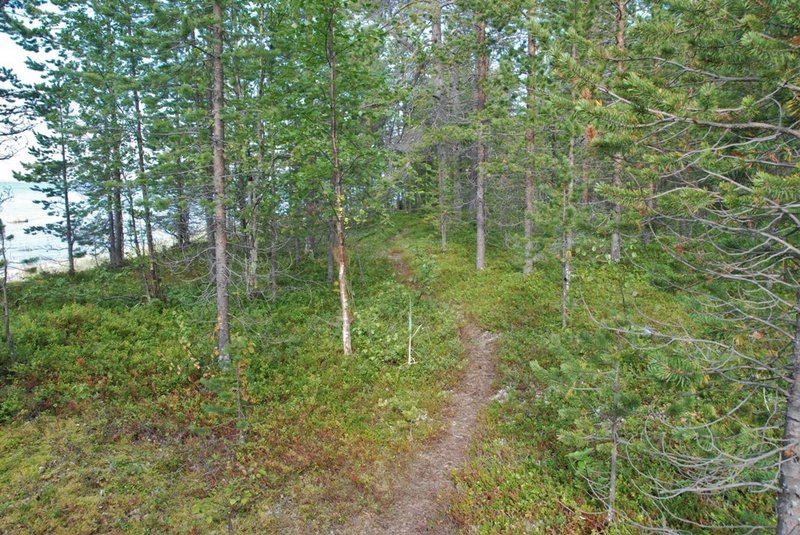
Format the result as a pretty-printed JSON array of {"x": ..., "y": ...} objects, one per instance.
[{"x": 18, "y": 272}]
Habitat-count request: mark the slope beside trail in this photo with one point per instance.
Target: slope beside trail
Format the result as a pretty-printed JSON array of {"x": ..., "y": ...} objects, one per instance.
[{"x": 419, "y": 494}]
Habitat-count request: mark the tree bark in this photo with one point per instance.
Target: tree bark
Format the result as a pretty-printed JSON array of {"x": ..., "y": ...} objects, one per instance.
[
  {"x": 530, "y": 138},
  {"x": 480, "y": 199},
  {"x": 789, "y": 493},
  {"x": 220, "y": 234},
  {"x": 337, "y": 188}
]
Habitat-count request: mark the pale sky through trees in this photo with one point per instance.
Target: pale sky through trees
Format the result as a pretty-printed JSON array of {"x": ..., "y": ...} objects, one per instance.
[{"x": 13, "y": 57}]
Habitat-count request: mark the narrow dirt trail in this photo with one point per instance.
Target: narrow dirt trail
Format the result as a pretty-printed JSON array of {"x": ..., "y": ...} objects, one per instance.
[{"x": 419, "y": 494}]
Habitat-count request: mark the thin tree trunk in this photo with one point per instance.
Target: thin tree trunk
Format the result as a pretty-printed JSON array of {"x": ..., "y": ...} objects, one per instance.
[
  {"x": 12, "y": 355},
  {"x": 480, "y": 200},
  {"x": 133, "y": 230},
  {"x": 148, "y": 219},
  {"x": 789, "y": 493},
  {"x": 220, "y": 234},
  {"x": 116, "y": 197},
  {"x": 439, "y": 106},
  {"x": 65, "y": 193},
  {"x": 112, "y": 235},
  {"x": 530, "y": 137},
  {"x": 337, "y": 188},
  {"x": 616, "y": 238}
]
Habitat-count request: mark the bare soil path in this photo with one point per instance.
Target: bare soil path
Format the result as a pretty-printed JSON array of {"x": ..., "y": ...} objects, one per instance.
[{"x": 419, "y": 494}]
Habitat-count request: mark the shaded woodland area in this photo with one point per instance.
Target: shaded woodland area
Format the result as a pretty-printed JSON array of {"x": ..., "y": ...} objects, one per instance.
[{"x": 305, "y": 216}]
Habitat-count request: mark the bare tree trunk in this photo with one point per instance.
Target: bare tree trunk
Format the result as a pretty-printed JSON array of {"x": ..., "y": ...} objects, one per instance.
[
  {"x": 65, "y": 193},
  {"x": 616, "y": 238},
  {"x": 789, "y": 493},
  {"x": 220, "y": 234},
  {"x": 480, "y": 199},
  {"x": 439, "y": 106},
  {"x": 337, "y": 188},
  {"x": 530, "y": 137},
  {"x": 12, "y": 355},
  {"x": 148, "y": 218},
  {"x": 112, "y": 234},
  {"x": 118, "y": 257},
  {"x": 133, "y": 231}
]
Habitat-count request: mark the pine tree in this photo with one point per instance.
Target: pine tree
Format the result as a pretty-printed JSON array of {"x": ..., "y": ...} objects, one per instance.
[
  {"x": 712, "y": 99},
  {"x": 55, "y": 156}
]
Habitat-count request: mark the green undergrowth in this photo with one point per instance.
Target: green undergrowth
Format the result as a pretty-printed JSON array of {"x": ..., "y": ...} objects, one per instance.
[
  {"x": 115, "y": 419},
  {"x": 532, "y": 464}
]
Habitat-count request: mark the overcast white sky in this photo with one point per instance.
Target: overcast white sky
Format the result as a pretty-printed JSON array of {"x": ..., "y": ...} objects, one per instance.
[{"x": 13, "y": 57}]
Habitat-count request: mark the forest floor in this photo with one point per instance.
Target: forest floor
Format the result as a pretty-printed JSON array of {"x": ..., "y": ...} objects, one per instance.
[
  {"x": 421, "y": 494},
  {"x": 116, "y": 420}
]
